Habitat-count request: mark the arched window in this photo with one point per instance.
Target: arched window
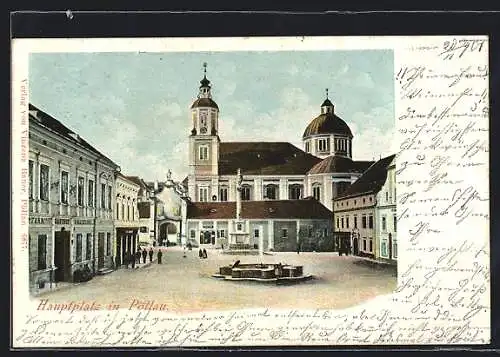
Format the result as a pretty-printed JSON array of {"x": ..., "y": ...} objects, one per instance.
[
  {"x": 271, "y": 192},
  {"x": 295, "y": 192}
]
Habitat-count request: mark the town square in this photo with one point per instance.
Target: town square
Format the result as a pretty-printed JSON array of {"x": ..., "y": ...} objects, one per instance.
[{"x": 193, "y": 221}]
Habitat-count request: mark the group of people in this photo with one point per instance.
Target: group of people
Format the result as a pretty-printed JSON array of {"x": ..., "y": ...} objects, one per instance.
[
  {"x": 132, "y": 259},
  {"x": 202, "y": 253}
]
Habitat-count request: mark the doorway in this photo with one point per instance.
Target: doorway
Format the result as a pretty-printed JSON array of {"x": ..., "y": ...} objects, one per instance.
[
  {"x": 355, "y": 246},
  {"x": 390, "y": 246},
  {"x": 100, "y": 251},
  {"x": 62, "y": 255}
]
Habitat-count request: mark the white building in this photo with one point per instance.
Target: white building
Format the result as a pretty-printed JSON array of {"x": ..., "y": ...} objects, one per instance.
[
  {"x": 271, "y": 171},
  {"x": 357, "y": 210},
  {"x": 126, "y": 218},
  {"x": 71, "y": 200},
  {"x": 386, "y": 217}
]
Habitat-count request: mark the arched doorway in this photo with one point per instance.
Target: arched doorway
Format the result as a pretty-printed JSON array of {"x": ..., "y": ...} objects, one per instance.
[{"x": 167, "y": 232}]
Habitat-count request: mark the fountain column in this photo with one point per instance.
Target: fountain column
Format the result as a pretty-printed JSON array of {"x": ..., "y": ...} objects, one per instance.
[{"x": 238, "y": 196}]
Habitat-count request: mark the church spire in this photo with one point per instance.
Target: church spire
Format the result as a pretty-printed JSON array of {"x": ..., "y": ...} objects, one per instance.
[
  {"x": 327, "y": 106},
  {"x": 205, "y": 84}
]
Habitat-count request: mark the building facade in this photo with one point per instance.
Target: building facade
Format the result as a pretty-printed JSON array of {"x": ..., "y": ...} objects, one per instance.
[
  {"x": 363, "y": 208},
  {"x": 386, "y": 217},
  {"x": 126, "y": 222},
  {"x": 71, "y": 200},
  {"x": 270, "y": 171}
]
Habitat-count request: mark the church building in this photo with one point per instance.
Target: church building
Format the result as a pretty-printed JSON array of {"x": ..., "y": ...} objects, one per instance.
[{"x": 245, "y": 194}]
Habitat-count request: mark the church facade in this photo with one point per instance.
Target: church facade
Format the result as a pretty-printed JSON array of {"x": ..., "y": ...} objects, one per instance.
[{"x": 271, "y": 193}]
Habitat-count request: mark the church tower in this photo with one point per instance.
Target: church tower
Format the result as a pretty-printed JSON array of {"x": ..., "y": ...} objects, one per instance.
[{"x": 203, "y": 141}]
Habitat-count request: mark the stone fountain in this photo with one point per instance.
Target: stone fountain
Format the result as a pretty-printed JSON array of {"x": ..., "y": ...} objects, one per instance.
[{"x": 260, "y": 272}]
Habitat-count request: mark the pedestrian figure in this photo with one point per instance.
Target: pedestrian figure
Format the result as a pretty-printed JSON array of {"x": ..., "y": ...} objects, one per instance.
[
  {"x": 200, "y": 253},
  {"x": 204, "y": 254},
  {"x": 150, "y": 254},
  {"x": 126, "y": 258},
  {"x": 298, "y": 248},
  {"x": 138, "y": 256},
  {"x": 132, "y": 259},
  {"x": 184, "y": 254},
  {"x": 144, "y": 255},
  {"x": 160, "y": 254}
]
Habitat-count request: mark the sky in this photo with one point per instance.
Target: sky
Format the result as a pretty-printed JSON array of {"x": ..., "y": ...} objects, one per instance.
[{"x": 134, "y": 106}]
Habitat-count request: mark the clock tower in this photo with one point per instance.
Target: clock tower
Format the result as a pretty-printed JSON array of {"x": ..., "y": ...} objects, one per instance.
[{"x": 204, "y": 139}]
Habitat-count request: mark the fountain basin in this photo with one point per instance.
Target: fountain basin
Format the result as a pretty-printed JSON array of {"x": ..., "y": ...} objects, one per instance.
[{"x": 263, "y": 273}]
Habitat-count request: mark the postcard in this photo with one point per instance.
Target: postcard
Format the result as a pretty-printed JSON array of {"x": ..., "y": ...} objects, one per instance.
[{"x": 260, "y": 191}]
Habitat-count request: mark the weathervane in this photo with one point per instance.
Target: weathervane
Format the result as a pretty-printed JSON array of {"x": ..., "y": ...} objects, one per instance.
[
  {"x": 326, "y": 93},
  {"x": 205, "y": 69}
]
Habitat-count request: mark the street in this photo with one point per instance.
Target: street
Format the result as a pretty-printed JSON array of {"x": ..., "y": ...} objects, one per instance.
[{"x": 186, "y": 284}]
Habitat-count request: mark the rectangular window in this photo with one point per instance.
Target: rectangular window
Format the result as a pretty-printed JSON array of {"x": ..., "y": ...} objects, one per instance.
[
  {"x": 395, "y": 223},
  {"x": 103, "y": 195},
  {"x": 222, "y": 233},
  {"x": 239, "y": 226},
  {"x": 108, "y": 243},
  {"x": 79, "y": 243},
  {"x": 384, "y": 224},
  {"x": 203, "y": 153},
  {"x": 363, "y": 222},
  {"x": 395, "y": 249},
  {"x": 323, "y": 145},
  {"x": 117, "y": 210},
  {"x": 133, "y": 213},
  {"x": 203, "y": 194},
  {"x": 90, "y": 193},
  {"x": 347, "y": 222},
  {"x": 246, "y": 193},
  {"x": 386, "y": 197},
  {"x": 42, "y": 252},
  {"x": 192, "y": 234},
  {"x": 143, "y": 229},
  {"x": 371, "y": 245},
  {"x": 30, "y": 173},
  {"x": 284, "y": 232},
  {"x": 383, "y": 248},
  {"x": 342, "y": 222},
  {"x": 80, "y": 192},
  {"x": 370, "y": 221},
  {"x": 364, "y": 244},
  {"x": 256, "y": 233},
  {"x": 223, "y": 194},
  {"x": 110, "y": 189},
  {"x": 128, "y": 212},
  {"x": 123, "y": 211},
  {"x": 88, "y": 247},
  {"x": 308, "y": 146},
  {"x": 338, "y": 224},
  {"x": 355, "y": 221},
  {"x": 44, "y": 182},
  {"x": 64, "y": 189}
]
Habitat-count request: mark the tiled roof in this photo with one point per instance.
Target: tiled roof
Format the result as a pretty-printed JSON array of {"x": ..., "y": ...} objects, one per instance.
[
  {"x": 264, "y": 158},
  {"x": 337, "y": 163},
  {"x": 279, "y": 209},
  {"x": 372, "y": 179},
  {"x": 55, "y": 125},
  {"x": 327, "y": 123}
]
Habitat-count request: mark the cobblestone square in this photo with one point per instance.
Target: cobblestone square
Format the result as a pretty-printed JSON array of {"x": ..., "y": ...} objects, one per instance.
[{"x": 186, "y": 284}]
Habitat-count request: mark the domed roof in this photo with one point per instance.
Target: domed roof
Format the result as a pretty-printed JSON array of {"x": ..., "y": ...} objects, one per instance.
[
  {"x": 327, "y": 123},
  {"x": 336, "y": 163},
  {"x": 204, "y": 102}
]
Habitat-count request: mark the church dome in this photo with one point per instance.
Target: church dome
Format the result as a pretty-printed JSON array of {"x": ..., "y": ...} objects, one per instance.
[
  {"x": 327, "y": 123},
  {"x": 204, "y": 102}
]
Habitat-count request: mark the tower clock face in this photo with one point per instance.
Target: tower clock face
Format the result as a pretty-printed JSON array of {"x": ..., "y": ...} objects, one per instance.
[{"x": 203, "y": 122}]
